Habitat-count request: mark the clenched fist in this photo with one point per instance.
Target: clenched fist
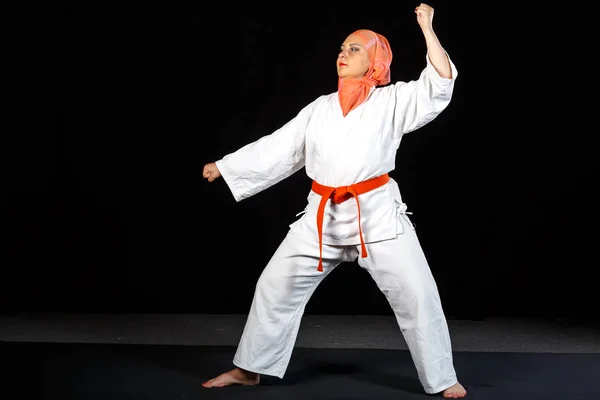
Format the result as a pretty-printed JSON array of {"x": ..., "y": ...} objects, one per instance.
[
  {"x": 424, "y": 16},
  {"x": 211, "y": 172}
]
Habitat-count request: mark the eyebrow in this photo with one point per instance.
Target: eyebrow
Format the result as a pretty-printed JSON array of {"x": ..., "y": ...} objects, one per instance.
[{"x": 352, "y": 44}]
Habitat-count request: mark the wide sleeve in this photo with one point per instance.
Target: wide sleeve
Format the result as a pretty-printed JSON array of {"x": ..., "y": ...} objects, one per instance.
[
  {"x": 267, "y": 161},
  {"x": 420, "y": 101}
]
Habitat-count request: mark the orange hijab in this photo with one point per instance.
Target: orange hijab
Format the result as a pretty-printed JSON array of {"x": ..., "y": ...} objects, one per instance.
[{"x": 352, "y": 92}]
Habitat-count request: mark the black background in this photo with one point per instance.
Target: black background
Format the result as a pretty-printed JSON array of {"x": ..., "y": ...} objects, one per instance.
[{"x": 111, "y": 109}]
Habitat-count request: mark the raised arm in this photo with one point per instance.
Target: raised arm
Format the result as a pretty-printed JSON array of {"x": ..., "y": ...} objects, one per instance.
[
  {"x": 437, "y": 54},
  {"x": 418, "y": 102}
]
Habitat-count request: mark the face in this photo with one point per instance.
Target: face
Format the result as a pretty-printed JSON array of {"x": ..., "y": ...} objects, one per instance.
[{"x": 353, "y": 59}]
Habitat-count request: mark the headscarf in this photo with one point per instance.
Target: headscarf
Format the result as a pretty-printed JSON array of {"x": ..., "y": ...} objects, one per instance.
[{"x": 353, "y": 92}]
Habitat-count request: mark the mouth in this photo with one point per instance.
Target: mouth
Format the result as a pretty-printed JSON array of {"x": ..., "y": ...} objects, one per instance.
[{"x": 343, "y": 65}]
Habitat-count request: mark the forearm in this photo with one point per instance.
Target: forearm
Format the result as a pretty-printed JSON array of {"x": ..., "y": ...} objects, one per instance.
[{"x": 437, "y": 54}]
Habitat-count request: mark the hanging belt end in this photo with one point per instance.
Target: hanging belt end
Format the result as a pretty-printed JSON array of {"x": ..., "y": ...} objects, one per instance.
[
  {"x": 320, "y": 267},
  {"x": 364, "y": 250}
]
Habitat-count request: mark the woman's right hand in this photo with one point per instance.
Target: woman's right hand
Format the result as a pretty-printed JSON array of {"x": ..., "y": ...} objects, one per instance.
[{"x": 211, "y": 172}]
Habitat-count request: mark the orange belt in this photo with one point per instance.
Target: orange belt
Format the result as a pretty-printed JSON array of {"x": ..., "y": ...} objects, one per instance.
[{"x": 339, "y": 195}]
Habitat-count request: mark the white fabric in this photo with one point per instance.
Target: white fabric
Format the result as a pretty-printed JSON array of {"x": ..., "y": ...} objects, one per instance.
[
  {"x": 399, "y": 269},
  {"x": 338, "y": 151}
]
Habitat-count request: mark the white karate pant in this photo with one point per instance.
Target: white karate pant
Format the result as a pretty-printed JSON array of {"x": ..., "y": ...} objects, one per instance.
[{"x": 399, "y": 269}]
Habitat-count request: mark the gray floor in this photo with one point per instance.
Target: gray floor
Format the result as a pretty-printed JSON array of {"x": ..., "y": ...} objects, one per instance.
[{"x": 316, "y": 331}]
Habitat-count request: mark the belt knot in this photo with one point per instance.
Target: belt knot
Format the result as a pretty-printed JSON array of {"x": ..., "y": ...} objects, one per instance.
[{"x": 339, "y": 195}]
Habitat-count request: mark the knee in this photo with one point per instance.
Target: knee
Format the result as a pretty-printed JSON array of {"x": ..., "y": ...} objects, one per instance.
[
  {"x": 413, "y": 297},
  {"x": 270, "y": 281},
  {"x": 273, "y": 290}
]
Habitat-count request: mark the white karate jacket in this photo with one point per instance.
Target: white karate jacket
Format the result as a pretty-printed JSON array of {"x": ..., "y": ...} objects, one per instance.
[{"x": 338, "y": 151}]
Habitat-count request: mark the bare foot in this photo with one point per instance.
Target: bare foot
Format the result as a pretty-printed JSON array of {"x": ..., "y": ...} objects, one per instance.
[
  {"x": 236, "y": 376},
  {"x": 455, "y": 391}
]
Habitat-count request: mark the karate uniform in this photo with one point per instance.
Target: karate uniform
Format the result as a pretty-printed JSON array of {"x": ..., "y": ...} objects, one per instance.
[{"x": 339, "y": 151}]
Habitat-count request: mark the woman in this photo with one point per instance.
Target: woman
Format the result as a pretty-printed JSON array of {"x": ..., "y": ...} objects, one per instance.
[{"x": 347, "y": 142}]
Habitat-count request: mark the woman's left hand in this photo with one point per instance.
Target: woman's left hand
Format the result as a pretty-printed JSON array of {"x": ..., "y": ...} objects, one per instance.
[{"x": 424, "y": 16}]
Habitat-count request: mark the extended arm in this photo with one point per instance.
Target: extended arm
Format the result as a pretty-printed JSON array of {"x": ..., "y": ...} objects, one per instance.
[{"x": 263, "y": 163}]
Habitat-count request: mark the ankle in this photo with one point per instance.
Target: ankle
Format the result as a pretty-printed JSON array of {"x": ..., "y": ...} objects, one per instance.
[{"x": 247, "y": 373}]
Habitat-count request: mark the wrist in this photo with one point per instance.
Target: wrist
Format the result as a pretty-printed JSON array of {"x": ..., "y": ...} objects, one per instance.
[{"x": 427, "y": 30}]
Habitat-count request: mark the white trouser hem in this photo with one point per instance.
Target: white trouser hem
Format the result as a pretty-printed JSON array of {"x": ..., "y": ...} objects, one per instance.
[{"x": 441, "y": 387}]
